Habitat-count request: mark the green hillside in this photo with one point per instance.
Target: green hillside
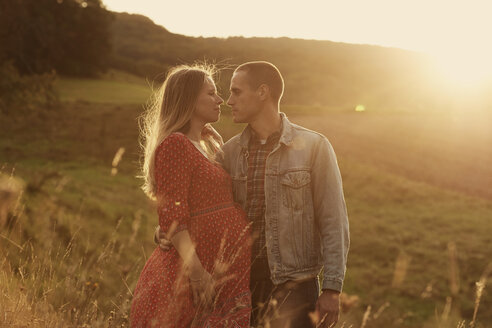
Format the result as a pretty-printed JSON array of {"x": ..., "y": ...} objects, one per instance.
[
  {"x": 73, "y": 248},
  {"x": 317, "y": 73},
  {"x": 113, "y": 87}
]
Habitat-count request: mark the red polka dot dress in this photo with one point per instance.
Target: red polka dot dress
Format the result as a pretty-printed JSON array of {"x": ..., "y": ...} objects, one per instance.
[{"x": 195, "y": 194}]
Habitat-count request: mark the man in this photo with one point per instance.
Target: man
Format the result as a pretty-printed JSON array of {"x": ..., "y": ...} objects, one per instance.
[{"x": 287, "y": 179}]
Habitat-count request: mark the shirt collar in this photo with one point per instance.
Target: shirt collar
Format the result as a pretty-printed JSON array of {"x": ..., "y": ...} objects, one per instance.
[
  {"x": 272, "y": 138},
  {"x": 286, "y": 133}
]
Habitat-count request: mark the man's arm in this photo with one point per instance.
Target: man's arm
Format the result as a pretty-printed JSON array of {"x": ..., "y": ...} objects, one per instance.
[
  {"x": 331, "y": 215},
  {"x": 161, "y": 239},
  {"x": 223, "y": 158}
]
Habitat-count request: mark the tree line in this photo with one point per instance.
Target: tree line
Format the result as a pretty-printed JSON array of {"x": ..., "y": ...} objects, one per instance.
[
  {"x": 68, "y": 36},
  {"x": 42, "y": 38},
  {"x": 323, "y": 73}
]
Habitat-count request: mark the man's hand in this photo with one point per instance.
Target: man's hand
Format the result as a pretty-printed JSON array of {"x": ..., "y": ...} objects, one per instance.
[
  {"x": 328, "y": 308},
  {"x": 160, "y": 239}
]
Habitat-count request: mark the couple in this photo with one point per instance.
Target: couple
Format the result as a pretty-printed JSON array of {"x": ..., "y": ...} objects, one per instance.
[{"x": 244, "y": 227}]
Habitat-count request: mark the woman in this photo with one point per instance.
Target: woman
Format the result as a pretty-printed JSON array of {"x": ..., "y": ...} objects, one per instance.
[{"x": 203, "y": 281}]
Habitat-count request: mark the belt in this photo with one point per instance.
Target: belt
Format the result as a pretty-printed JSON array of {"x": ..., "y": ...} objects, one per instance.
[{"x": 212, "y": 209}]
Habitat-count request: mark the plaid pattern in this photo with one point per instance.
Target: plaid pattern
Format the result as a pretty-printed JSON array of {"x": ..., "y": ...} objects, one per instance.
[{"x": 255, "y": 203}]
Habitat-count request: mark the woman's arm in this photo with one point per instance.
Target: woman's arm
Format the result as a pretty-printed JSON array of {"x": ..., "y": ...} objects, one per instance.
[
  {"x": 174, "y": 165},
  {"x": 183, "y": 244},
  {"x": 202, "y": 283}
]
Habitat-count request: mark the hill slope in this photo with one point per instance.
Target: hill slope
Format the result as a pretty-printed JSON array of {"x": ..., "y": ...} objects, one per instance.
[
  {"x": 337, "y": 75},
  {"x": 74, "y": 247}
]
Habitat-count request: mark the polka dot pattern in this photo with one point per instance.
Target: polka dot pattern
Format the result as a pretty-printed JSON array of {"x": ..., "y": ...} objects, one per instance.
[{"x": 195, "y": 194}]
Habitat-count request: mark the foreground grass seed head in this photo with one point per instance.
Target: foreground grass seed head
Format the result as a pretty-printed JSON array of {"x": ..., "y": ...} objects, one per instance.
[
  {"x": 116, "y": 160},
  {"x": 11, "y": 189}
]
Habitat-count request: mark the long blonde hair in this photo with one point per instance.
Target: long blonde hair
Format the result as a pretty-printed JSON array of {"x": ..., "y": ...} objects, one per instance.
[{"x": 170, "y": 110}]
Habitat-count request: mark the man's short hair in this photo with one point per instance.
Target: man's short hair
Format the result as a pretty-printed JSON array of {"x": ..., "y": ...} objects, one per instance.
[{"x": 262, "y": 72}]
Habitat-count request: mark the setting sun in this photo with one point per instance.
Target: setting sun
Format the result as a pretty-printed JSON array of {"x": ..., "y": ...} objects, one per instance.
[{"x": 466, "y": 66}]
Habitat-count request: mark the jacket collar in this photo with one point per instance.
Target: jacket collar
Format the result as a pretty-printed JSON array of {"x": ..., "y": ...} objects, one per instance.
[{"x": 286, "y": 136}]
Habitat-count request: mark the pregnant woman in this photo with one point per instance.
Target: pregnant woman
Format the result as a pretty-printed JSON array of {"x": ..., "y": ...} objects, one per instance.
[{"x": 203, "y": 281}]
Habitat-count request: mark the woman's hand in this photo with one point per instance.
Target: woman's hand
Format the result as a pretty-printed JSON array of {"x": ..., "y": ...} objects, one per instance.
[
  {"x": 201, "y": 282},
  {"x": 203, "y": 288}
]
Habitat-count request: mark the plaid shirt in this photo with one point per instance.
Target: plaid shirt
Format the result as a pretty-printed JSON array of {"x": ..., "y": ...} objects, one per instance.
[{"x": 255, "y": 203}]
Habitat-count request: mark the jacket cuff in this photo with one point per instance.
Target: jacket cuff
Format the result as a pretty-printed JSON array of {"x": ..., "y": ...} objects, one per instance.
[{"x": 332, "y": 284}]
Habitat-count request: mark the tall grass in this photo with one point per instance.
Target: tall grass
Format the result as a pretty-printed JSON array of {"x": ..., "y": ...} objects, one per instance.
[
  {"x": 75, "y": 237},
  {"x": 51, "y": 277}
]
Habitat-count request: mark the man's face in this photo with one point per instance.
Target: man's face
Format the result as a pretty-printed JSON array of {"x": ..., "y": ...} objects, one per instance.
[{"x": 244, "y": 101}]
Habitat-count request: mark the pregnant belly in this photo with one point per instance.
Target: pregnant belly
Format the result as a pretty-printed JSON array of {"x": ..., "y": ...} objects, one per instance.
[{"x": 221, "y": 236}]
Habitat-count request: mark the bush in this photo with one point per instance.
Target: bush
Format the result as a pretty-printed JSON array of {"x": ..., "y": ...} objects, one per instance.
[{"x": 24, "y": 93}]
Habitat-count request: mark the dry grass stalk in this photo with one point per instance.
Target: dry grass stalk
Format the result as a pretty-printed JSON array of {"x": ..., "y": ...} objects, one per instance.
[
  {"x": 365, "y": 318},
  {"x": 447, "y": 309},
  {"x": 480, "y": 285},
  {"x": 380, "y": 310},
  {"x": 136, "y": 226},
  {"x": 116, "y": 160},
  {"x": 348, "y": 302},
  {"x": 401, "y": 268},
  {"x": 427, "y": 293},
  {"x": 461, "y": 324},
  {"x": 454, "y": 280},
  {"x": 11, "y": 189},
  {"x": 343, "y": 325}
]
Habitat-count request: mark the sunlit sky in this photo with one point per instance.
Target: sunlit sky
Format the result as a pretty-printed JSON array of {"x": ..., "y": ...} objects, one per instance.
[{"x": 457, "y": 32}]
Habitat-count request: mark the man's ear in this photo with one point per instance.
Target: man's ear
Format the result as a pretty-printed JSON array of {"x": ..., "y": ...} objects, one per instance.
[{"x": 263, "y": 91}]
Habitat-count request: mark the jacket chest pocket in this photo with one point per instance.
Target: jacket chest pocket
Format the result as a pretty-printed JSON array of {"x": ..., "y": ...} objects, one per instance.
[
  {"x": 295, "y": 186},
  {"x": 239, "y": 189}
]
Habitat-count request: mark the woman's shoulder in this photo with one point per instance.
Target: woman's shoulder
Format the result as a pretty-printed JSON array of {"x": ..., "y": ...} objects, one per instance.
[
  {"x": 175, "y": 142},
  {"x": 177, "y": 137}
]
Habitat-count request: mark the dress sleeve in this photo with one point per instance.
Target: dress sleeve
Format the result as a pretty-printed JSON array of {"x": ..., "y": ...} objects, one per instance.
[{"x": 173, "y": 171}]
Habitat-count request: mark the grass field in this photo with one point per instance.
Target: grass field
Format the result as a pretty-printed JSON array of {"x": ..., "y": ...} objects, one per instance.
[
  {"x": 417, "y": 188},
  {"x": 113, "y": 88}
]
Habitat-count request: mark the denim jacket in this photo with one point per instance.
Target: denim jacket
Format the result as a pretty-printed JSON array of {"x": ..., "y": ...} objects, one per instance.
[{"x": 306, "y": 218}]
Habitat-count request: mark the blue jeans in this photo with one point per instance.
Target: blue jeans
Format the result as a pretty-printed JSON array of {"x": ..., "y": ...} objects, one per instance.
[{"x": 284, "y": 305}]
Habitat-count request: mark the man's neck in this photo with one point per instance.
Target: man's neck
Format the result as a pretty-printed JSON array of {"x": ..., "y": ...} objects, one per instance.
[{"x": 266, "y": 125}]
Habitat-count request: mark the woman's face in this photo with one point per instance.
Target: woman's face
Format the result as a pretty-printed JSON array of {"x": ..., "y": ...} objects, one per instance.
[{"x": 208, "y": 103}]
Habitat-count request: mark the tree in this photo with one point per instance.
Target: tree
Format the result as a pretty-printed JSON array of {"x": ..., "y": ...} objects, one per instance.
[{"x": 69, "y": 36}]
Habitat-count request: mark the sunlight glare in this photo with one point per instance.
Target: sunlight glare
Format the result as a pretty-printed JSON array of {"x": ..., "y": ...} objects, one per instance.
[
  {"x": 360, "y": 108},
  {"x": 466, "y": 66}
]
